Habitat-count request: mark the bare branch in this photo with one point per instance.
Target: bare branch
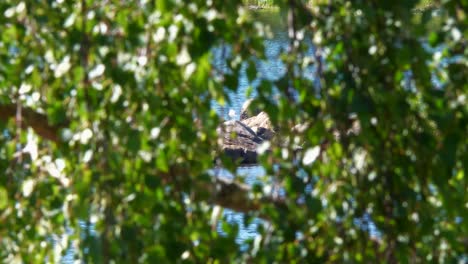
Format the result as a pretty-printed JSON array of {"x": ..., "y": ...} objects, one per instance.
[
  {"x": 226, "y": 193},
  {"x": 237, "y": 196},
  {"x": 33, "y": 119}
]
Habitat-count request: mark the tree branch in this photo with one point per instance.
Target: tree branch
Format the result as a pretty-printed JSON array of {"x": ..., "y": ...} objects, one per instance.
[
  {"x": 236, "y": 196},
  {"x": 30, "y": 118},
  {"x": 226, "y": 193}
]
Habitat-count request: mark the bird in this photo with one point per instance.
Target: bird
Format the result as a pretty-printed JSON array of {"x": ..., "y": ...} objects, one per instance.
[{"x": 232, "y": 113}]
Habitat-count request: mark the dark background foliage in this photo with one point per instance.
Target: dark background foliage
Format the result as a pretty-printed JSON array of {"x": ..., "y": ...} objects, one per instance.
[{"x": 108, "y": 132}]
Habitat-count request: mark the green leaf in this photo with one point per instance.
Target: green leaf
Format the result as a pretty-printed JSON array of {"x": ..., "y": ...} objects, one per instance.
[
  {"x": 134, "y": 141},
  {"x": 161, "y": 161},
  {"x": 251, "y": 71},
  {"x": 3, "y": 198}
]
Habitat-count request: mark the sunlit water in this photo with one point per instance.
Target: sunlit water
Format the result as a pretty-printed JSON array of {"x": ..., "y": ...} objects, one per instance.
[
  {"x": 270, "y": 69},
  {"x": 250, "y": 175}
]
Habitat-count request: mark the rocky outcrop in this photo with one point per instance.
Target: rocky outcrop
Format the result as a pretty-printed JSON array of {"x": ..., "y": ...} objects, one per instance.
[
  {"x": 240, "y": 139},
  {"x": 261, "y": 125}
]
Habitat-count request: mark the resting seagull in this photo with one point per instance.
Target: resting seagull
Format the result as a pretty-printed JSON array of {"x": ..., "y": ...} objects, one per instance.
[{"x": 232, "y": 113}]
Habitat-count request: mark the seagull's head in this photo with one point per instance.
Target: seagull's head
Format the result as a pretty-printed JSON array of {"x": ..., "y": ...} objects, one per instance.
[{"x": 232, "y": 113}]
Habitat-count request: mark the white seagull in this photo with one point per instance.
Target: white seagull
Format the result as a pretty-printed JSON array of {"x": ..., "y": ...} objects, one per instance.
[{"x": 232, "y": 113}]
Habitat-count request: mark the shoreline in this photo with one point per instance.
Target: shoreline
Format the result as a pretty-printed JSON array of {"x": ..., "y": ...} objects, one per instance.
[{"x": 269, "y": 6}]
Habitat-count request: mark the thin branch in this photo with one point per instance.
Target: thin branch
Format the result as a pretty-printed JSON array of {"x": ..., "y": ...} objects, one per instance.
[
  {"x": 226, "y": 193},
  {"x": 18, "y": 120},
  {"x": 85, "y": 47},
  {"x": 30, "y": 118},
  {"x": 236, "y": 196}
]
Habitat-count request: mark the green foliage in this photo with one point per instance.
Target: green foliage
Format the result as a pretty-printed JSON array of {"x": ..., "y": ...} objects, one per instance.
[
  {"x": 259, "y": 3},
  {"x": 118, "y": 169}
]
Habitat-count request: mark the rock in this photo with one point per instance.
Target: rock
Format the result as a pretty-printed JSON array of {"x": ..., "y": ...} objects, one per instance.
[
  {"x": 261, "y": 125},
  {"x": 239, "y": 141},
  {"x": 240, "y": 129}
]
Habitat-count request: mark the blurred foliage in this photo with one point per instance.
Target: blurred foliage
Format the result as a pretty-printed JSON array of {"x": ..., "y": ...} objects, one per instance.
[{"x": 131, "y": 85}]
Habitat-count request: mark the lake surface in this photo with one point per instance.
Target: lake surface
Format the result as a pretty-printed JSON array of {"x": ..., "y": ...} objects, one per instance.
[{"x": 270, "y": 69}]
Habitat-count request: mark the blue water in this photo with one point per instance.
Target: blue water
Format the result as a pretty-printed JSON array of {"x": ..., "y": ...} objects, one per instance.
[
  {"x": 270, "y": 69},
  {"x": 250, "y": 175}
]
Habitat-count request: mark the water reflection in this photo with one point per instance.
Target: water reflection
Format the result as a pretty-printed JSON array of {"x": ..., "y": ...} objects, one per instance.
[{"x": 247, "y": 231}]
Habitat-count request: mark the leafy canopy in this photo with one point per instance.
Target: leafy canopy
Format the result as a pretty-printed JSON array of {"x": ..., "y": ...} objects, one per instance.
[{"x": 108, "y": 132}]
